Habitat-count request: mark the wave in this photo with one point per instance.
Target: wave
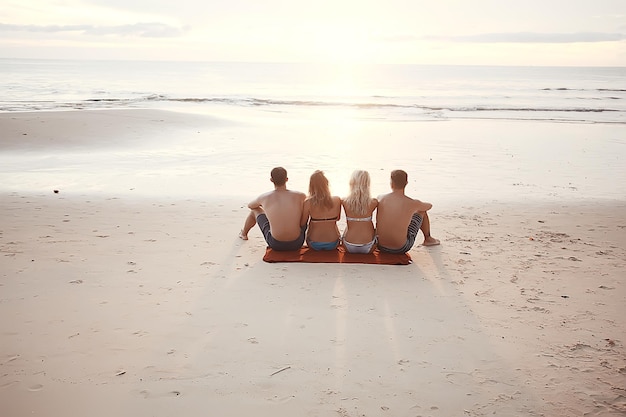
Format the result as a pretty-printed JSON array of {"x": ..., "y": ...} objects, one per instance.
[
  {"x": 390, "y": 105},
  {"x": 618, "y": 90},
  {"x": 257, "y": 102}
]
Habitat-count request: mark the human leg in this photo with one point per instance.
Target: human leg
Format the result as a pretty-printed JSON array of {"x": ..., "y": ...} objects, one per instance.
[
  {"x": 425, "y": 228},
  {"x": 414, "y": 227},
  {"x": 419, "y": 221},
  {"x": 249, "y": 223}
]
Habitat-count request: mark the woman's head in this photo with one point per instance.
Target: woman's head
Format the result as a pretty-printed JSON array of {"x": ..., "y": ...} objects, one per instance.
[
  {"x": 359, "y": 198},
  {"x": 319, "y": 189},
  {"x": 360, "y": 182}
]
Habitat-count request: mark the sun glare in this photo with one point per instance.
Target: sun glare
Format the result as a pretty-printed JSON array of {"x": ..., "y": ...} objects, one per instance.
[{"x": 344, "y": 45}]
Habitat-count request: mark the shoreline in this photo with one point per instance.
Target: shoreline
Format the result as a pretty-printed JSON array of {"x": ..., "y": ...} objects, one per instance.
[{"x": 186, "y": 155}]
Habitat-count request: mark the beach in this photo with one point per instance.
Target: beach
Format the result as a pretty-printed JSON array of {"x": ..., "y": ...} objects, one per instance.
[{"x": 128, "y": 292}]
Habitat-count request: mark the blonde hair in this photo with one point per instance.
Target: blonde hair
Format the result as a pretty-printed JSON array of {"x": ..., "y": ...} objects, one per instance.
[
  {"x": 359, "y": 198},
  {"x": 319, "y": 190}
]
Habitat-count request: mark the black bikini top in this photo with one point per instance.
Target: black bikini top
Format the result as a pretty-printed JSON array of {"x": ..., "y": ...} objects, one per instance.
[{"x": 325, "y": 220}]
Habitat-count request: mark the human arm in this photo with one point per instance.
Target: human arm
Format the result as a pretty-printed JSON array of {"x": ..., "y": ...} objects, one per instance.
[
  {"x": 306, "y": 212},
  {"x": 337, "y": 200},
  {"x": 422, "y": 206},
  {"x": 373, "y": 204},
  {"x": 256, "y": 203}
]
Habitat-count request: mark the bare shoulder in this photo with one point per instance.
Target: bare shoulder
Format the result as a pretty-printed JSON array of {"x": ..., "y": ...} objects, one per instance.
[
  {"x": 297, "y": 195},
  {"x": 266, "y": 194},
  {"x": 260, "y": 200}
]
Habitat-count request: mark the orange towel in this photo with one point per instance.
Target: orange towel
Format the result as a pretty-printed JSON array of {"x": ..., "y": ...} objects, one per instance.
[{"x": 338, "y": 255}]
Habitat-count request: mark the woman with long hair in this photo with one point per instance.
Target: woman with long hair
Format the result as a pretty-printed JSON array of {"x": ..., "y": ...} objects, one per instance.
[
  {"x": 322, "y": 211},
  {"x": 360, "y": 235}
]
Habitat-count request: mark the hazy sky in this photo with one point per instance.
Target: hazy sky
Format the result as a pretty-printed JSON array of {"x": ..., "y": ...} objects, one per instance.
[{"x": 501, "y": 32}]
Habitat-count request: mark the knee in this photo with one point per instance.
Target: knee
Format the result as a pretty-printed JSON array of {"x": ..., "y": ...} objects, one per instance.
[{"x": 256, "y": 211}]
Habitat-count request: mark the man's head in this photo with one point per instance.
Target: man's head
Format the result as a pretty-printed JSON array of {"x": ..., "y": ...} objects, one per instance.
[
  {"x": 279, "y": 176},
  {"x": 399, "y": 179}
]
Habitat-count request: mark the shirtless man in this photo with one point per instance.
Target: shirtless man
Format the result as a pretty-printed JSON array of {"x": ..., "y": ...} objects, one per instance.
[
  {"x": 399, "y": 218},
  {"x": 278, "y": 215}
]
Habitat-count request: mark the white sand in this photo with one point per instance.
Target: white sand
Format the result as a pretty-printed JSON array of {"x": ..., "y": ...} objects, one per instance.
[{"x": 153, "y": 306}]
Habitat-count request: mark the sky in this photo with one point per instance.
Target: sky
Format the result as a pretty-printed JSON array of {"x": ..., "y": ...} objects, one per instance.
[{"x": 473, "y": 32}]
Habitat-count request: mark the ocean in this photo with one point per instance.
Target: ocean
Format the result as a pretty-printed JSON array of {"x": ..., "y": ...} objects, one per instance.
[
  {"x": 464, "y": 133},
  {"x": 401, "y": 92}
]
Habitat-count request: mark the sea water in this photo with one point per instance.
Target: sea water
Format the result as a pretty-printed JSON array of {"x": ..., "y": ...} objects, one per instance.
[
  {"x": 462, "y": 132},
  {"x": 407, "y": 92}
]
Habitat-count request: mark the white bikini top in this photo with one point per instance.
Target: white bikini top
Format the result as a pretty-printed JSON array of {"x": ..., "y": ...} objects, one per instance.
[{"x": 360, "y": 219}]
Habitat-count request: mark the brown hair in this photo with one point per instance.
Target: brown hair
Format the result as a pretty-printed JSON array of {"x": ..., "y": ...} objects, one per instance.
[
  {"x": 319, "y": 190},
  {"x": 399, "y": 179},
  {"x": 279, "y": 176}
]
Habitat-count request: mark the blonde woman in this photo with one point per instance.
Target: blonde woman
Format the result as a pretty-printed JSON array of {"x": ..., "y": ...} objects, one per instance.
[
  {"x": 360, "y": 235},
  {"x": 321, "y": 210}
]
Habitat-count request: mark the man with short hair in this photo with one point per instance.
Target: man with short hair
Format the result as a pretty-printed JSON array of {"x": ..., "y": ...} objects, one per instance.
[
  {"x": 399, "y": 218},
  {"x": 278, "y": 214}
]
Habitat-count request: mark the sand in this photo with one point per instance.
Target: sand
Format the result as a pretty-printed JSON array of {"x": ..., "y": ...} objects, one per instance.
[{"x": 126, "y": 305}]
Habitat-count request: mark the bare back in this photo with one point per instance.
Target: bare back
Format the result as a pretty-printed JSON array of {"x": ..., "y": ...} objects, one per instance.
[
  {"x": 283, "y": 209},
  {"x": 393, "y": 217},
  {"x": 323, "y": 220},
  {"x": 359, "y": 231}
]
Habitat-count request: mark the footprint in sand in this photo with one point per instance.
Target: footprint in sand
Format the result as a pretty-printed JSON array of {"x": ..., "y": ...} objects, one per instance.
[
  {"x": 281, "y": 400},
  {"x": 9, "y": 384},
  {"x": 12, "y": 358},
  {"x": 147, "y": 394}
]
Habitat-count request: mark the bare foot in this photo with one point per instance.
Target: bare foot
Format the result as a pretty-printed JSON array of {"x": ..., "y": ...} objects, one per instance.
[
  {"x": 431, "y": 241},
  {"x": 242, "y": 235}
]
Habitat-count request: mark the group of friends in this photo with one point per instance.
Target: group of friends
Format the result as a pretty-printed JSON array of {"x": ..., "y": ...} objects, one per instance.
[{"x": 289, "y": 218}]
